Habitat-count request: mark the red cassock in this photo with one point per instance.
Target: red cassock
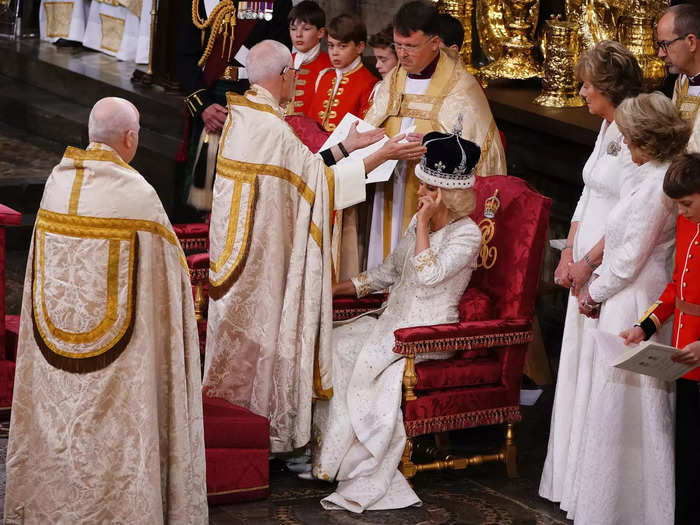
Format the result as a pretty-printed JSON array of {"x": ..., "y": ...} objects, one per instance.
[
  {"x": 681, "y": 297},
  {"x": 352, "y": 96},
  {"x": 305, "y": 84}
]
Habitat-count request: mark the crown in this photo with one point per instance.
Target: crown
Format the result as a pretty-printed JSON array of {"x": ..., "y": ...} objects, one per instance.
[{"x": 491, "y": 205}]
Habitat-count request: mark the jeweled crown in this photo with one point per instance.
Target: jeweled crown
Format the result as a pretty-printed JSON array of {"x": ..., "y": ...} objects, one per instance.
[{"x": 491, "y": 205}]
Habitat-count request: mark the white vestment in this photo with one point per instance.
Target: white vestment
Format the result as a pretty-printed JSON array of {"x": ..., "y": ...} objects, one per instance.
[
  {"x": 359, "y": 435},
  {"x": 603, "y": 176},
  {"x": 270, "y": 311},
  {"x": 687, "y": 101},
  {"x": 120, "y": 28},
  {"x": 107, "y": 408},
  {"x": 63, "y": 19},
  {"x": 625, "y": 466}
]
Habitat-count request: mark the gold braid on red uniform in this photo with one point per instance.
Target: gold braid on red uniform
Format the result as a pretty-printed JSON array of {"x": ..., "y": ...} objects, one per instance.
[{"x": 222, "y": 20}]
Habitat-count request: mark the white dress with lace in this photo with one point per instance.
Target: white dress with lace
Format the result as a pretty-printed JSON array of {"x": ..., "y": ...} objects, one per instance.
[
  {"x": 359, "y": 434},
  {"x": 603, "y": 176},
  {"x": 625, "y": 472}
]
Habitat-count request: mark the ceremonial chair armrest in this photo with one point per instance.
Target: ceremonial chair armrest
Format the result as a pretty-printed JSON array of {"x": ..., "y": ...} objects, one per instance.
[
  {"x": 9, "y": 217},
  {"x": 198, "y": 264},
  {"x": 193, "y": 237},
  {"x": 462, "y": 336},
  {"x": 349, "y": 306}
]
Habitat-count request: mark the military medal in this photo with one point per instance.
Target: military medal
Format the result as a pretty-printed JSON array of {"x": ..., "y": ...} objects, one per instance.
[
  {"x": 261, "y": 11},
  {"x": 268, "y": 11}
]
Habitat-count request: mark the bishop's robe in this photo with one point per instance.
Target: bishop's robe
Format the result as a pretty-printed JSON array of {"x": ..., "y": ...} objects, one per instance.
[
  {"x": 432, "y": 104},
  {"x": 687, "y": 101},
  {"x": 270, "y": 309},
  {"x": 107, "y": 409}
]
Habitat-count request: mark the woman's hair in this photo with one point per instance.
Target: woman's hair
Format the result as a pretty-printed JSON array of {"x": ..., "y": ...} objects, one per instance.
[
  {"x": 651, "y": 123},
  {"x": 385, "y": 38},
  {"x": 612, "y": 70},
  {"x": 459, "y": 203},
  {"x": 683, "y": 176}
]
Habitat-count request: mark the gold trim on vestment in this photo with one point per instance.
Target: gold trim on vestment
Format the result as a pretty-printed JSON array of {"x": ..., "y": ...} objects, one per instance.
[
  {"x": 99, "y": 227},
  {"x": 319, "y": 391},
  {"x": 491, "y": 135},
  {"x": 96, "y": 154},
  {"x": 77, "y": 186},
  {"x": 112, "y": 32},
  {"x": 234, "y": 99},
  {"x": 58, "y": 19}
]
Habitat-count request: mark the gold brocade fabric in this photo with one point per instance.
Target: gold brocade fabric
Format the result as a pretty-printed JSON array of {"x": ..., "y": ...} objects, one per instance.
[
  {"x": 132, "y": 5},
  {"x": 112, "y": 32},
  {"x": 58, "y": 19},
  {"x": 688, "y": 106},
  {"x": 120, "y": 439},
  {"x": 270, "y": 312}
]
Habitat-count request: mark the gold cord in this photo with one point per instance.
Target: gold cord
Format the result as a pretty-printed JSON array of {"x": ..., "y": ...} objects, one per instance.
[{"x": 222, "y": 17}]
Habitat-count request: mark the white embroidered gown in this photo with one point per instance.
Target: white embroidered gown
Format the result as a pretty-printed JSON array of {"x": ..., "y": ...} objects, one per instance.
[
  {"x": 625, "y": 471},
  {"x": 603, "y": 175},
  {"x": 359, "y": 433}
]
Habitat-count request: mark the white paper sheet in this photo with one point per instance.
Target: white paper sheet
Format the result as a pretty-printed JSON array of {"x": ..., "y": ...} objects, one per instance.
[
  {"x": 382, "y": 172},
  {"x": 648, "y": 358}
]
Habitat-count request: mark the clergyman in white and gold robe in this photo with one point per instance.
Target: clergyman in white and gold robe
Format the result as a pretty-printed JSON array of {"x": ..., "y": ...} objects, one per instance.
[
  {"x": 107, "y": 409},
  {"x": 687, "y": 101},
  {"x": 270, "y": 309},
  {"x": 431, "y": 104}
]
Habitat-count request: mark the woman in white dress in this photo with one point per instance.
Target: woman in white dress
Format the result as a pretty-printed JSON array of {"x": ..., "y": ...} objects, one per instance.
[
  {"x": 359, "y": 434},
  {"x": 626, "y": 462},
  {"x": 609, "y": 73}
]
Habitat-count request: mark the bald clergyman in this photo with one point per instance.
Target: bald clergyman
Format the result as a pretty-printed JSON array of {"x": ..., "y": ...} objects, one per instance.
[
  {"x": 270, "y": 312},
  {"x": 107, "y": 409}
]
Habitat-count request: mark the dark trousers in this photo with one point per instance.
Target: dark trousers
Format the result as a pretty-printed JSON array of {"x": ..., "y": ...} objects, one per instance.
[{"x": 687, "y": 452}]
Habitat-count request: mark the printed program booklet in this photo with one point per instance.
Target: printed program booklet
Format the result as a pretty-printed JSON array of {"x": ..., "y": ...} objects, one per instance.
[{"x": 649, "y": 358}]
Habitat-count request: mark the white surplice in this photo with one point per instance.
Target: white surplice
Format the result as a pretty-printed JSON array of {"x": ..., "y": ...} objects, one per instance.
[
  {"x": 270, "y": 309},
  {"x": 63, "y": 19},
  {"x": 122, "y": 31},
  {"x": 603, "y": 176},
  {"x": 359, "y": 433},
  {"x": 107, "y": 407},
  {"x": 625, "y": 472}
]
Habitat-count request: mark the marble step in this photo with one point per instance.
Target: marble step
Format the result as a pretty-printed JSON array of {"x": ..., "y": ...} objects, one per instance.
[
  {"x": 83, "y": 76},
  {"x": 47, "y": 115}
]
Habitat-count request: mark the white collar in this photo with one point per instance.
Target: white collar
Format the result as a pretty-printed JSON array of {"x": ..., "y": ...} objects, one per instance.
[
  {"x": 342, "y": 71},
  {"x": 262, "y": 96},
  {"x": 301, "y": 59}
]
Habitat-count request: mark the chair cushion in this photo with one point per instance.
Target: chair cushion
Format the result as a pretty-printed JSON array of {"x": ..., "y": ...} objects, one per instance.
[
  {"x": 475, "y": 305},
  {"x": 308, "y": 130},
  {"x": 237, "y": 475},
  {"x": 230, "y": 426},
  {"x": 458, "y": 372}
]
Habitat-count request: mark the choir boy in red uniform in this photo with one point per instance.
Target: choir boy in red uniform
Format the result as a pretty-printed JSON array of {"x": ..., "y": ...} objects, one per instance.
[
  {"x": 681, "y": 299},
  {"x": 307, "y": 27},
  {"x": 347, "y": 86}
]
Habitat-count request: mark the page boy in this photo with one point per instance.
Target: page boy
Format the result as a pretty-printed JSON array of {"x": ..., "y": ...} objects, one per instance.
[
  {"x": 681, "y": 298},
  {"x": 307, "y": 27},
  {"x": 347, "y": 86}
]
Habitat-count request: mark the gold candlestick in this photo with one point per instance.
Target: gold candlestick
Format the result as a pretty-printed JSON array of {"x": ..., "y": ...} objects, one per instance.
[
  {"x": 462, "y": 10},
  {"x": 517, "y": 60},
  {"x": 559, "y": 87}
]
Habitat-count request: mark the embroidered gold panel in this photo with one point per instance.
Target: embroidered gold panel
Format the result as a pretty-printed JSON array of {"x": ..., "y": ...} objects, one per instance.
[
  {"x": 112, "y": 32},
  {"x": 134, "y": 6},
  {"x": 58, "y": 18}
]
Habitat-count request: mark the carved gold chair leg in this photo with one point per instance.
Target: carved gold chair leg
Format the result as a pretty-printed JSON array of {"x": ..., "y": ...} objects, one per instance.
[
  {"x": 510, "y": 453},
  {"x": 410, "y": 379},
  {"x": 200, "y": 302},
  {"x": 407, "y": 467}
]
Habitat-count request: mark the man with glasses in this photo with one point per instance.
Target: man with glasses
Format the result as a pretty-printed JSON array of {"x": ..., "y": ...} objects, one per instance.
[
  {"x": 429, "y": 89},
  {"x": 678, "y": 31},
  {"x": 270, "y": 309}
]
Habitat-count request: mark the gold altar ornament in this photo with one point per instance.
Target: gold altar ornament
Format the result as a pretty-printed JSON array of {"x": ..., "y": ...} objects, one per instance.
[
  {"x": 491, "y": 26},
  {"x": 462, "y": 10},
  {"x": 559, "y": 87},
  {"x": 636, "y": 33},
  {"x": 517, "y": 60}
]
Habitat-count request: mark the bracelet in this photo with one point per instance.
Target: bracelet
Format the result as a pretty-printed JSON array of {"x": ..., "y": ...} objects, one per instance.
[
  {"x": 589, "y": 263},
  {"x": 343, "y": 150}
]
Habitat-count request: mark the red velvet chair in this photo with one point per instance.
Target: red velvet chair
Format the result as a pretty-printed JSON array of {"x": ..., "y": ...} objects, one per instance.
[
  {"x": 9, "y": 324},
  {"x": 237, "y": 449},
  {"x": 481, "y": 385}
]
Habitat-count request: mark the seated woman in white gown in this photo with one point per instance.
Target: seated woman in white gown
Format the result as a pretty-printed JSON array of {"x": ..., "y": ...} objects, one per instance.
[{"x": 359, "y": 434}]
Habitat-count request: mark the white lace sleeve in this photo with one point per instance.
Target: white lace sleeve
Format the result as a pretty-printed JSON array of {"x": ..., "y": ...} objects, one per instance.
[
  {"x": 457, "y": 252},
  {"x": 632, "y": 237}
]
